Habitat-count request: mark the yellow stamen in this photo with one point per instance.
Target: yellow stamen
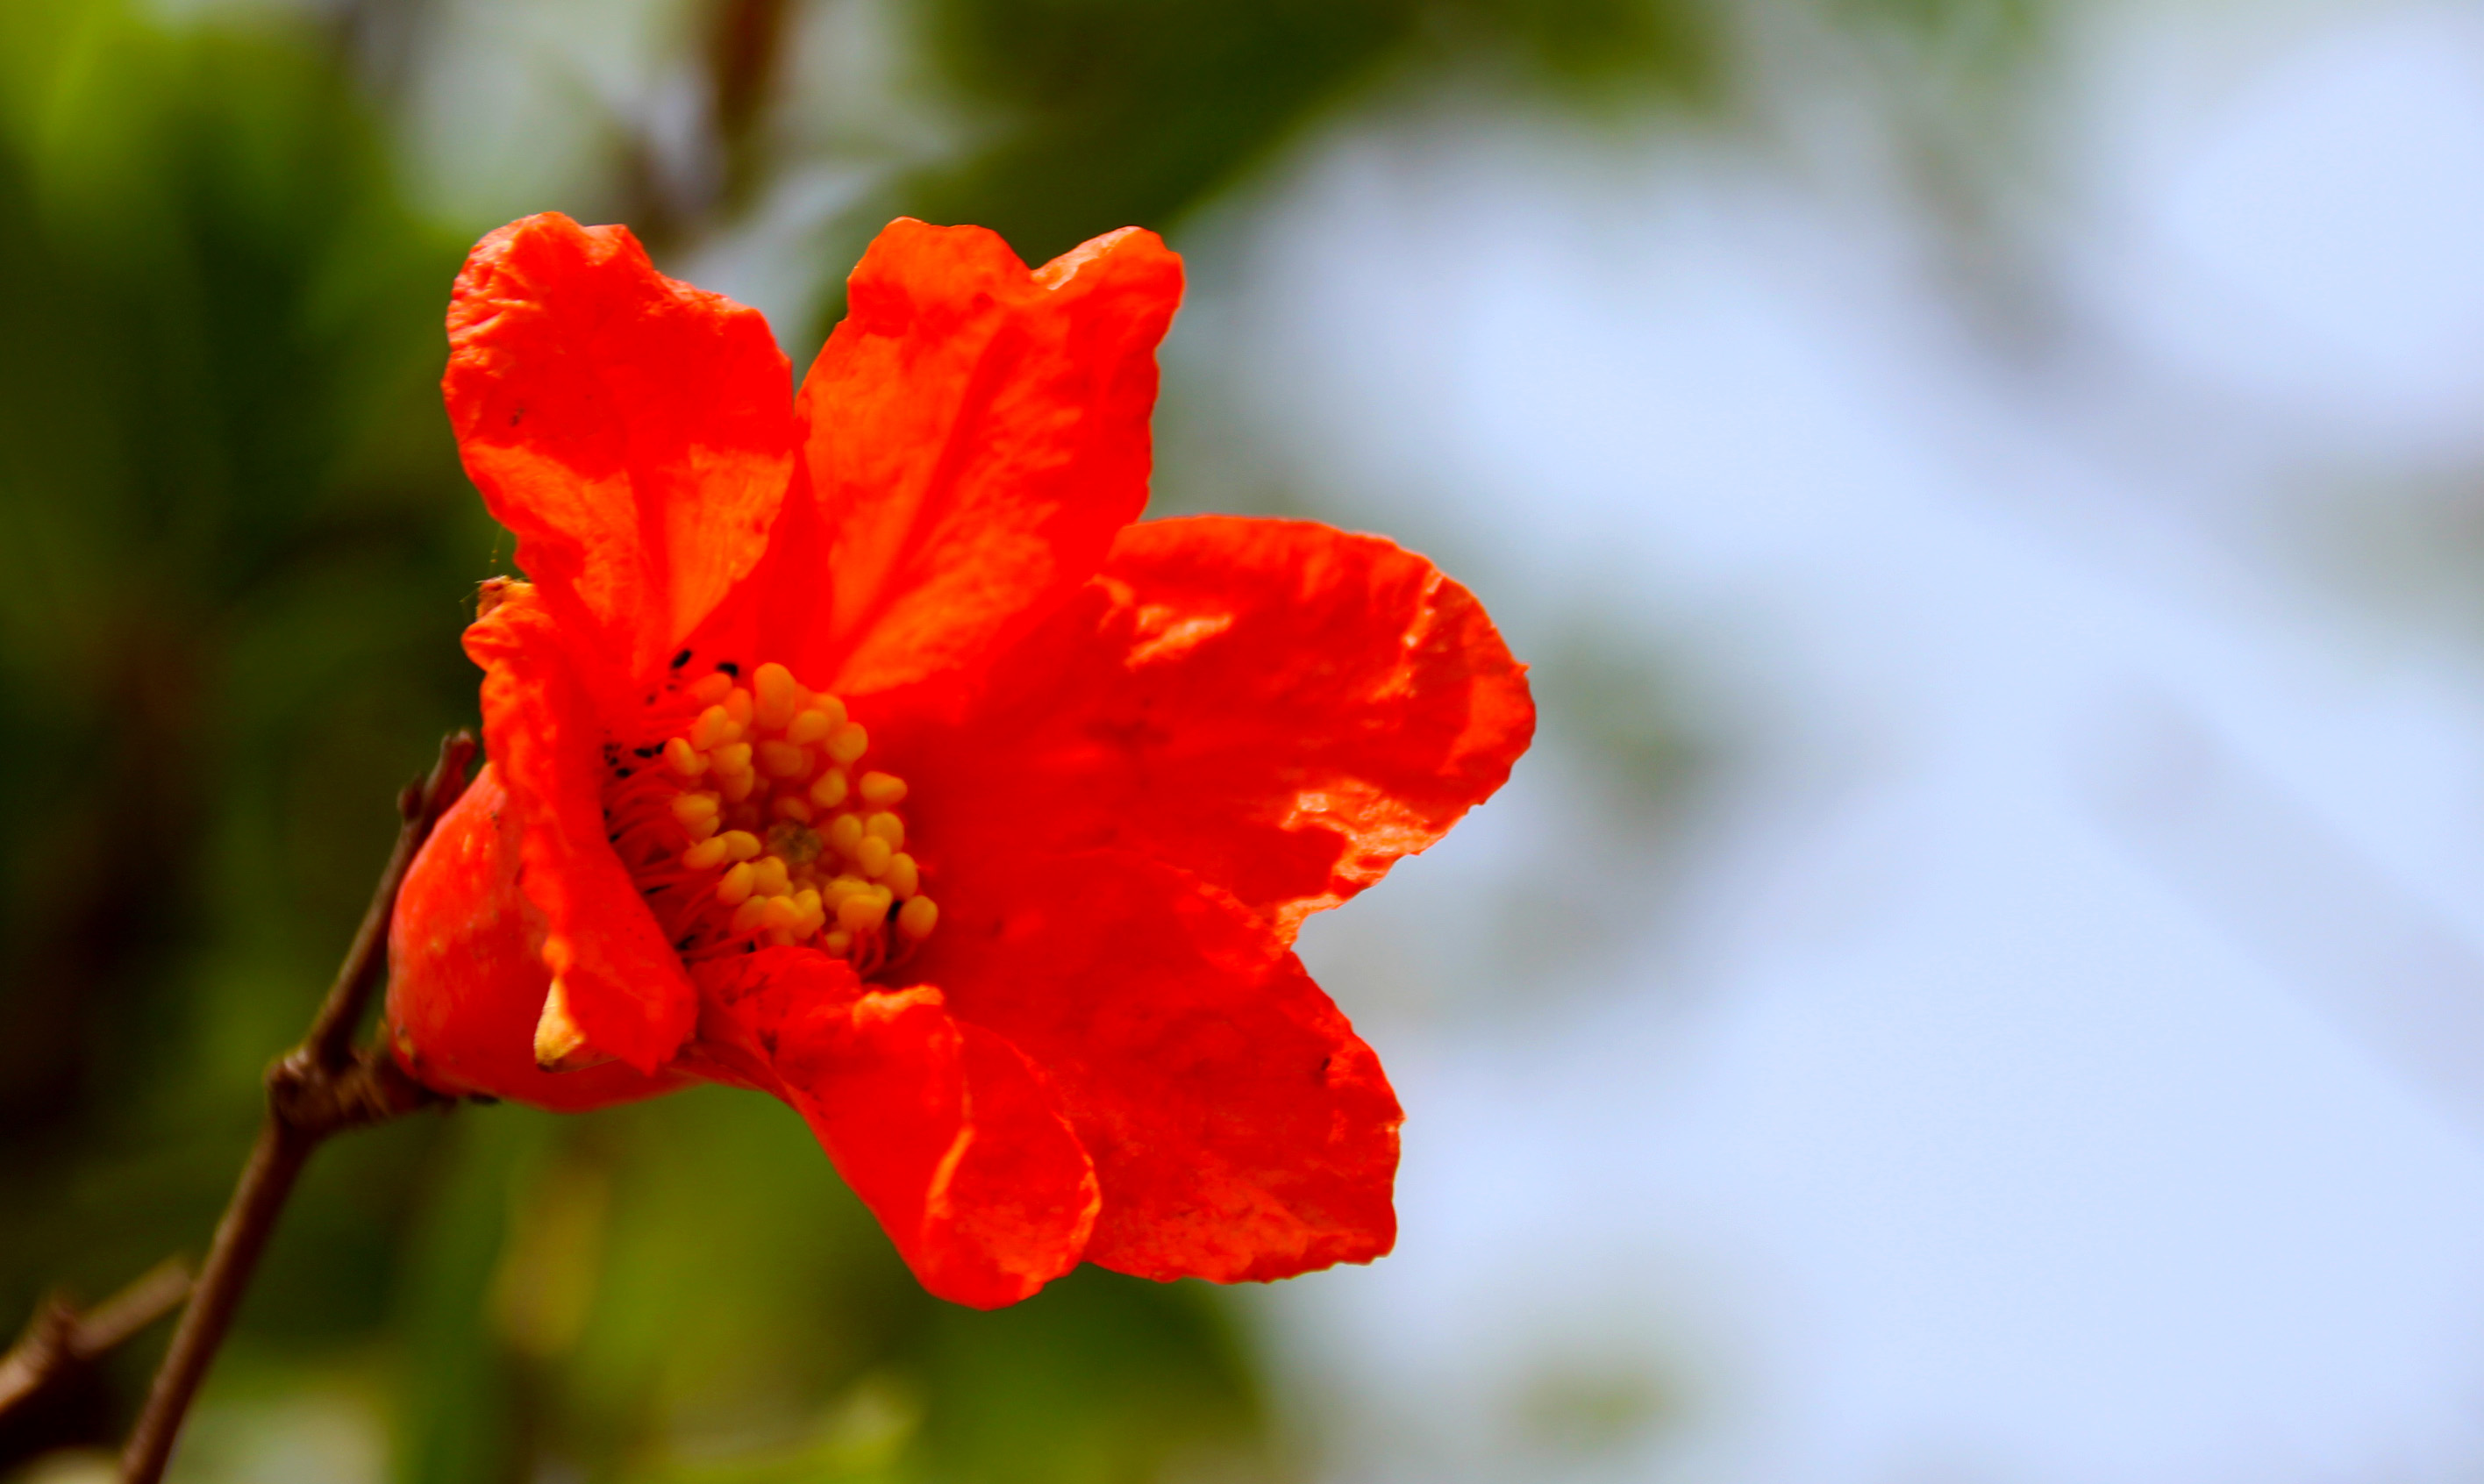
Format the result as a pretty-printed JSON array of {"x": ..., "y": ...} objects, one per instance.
[
  {"x": 777, "y": 695},
  {"x": 784, "y": 760},
  {"x": 775, "y": 765},
  {"x": 713, "y": 727},
  {"x": 917, "y": 918},
  {"x": 860, "y": 911}
]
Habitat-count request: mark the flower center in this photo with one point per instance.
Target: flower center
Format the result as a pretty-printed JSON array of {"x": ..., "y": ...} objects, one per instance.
[{"x": 756, "y": 822}]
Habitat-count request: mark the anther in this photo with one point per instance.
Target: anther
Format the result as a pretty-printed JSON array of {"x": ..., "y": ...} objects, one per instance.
[
  {"x": 849, "y": 742},
  {"x": 768, "y": 877},
  {"x": 708, "y": 689},
  {"x": 737, "y": 786},
  {"x": 693, "y": 810},
  {"x": 748, "y": 917},
  {"x": 707, "y": 854},
  {"x": 784, "y": 760},
  {"x": 733, "y": 757},
  {"x": 844, "y": 832},
  {"x": 740, "y": 843},
  {"x": 828, "y": 790},
  {"x": 881, "y": 790},
  {"x": 777, "y": 695},
  {"x": 734, "y": 885},
  {"x": 887, "y": 826},
  {"x": 684, "y": 759},
  {"x": 862, "y": 910},
  {"x": 903, "y": 876},
  {"x": 779, "y": 914},
  {"x": 837, "y": 941},
  {"x": 796, "y": 809},
  {"x": 714, "y": 726},
  {"x": 737, "y": 705},
  {"x": 917, "y": 918},
  {"x": 872, "y": 855},
  {"x": 816, "y": 723}
]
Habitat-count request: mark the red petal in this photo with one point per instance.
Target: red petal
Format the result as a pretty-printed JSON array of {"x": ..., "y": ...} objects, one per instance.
[
  {"x": 634, "y": 431},
  {"x": 942, "y": 1128},
  {"x": 1239, "y": 1128},
  {"x": 466, "y": 976},
  {"x": 1279, "y": 706},
  {"x": 623, "y": 983},
  {"x": 975, "y": 435}
]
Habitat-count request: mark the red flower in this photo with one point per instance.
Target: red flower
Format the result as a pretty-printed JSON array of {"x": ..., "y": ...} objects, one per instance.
[{"x": 1002, "y": 907}]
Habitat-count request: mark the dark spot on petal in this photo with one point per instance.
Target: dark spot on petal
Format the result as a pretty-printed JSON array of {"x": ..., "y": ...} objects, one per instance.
[
  {"x": 681, "y": 659},
  {"x": 730, "y": 668},
  {"x": 652, "y": 749}
]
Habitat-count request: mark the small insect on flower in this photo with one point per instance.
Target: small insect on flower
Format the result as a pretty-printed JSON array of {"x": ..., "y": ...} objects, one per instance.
[{"x": 863, "y": 747}]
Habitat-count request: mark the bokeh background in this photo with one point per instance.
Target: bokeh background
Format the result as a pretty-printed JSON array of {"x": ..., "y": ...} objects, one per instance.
[{"x": 1981, "y": 981}]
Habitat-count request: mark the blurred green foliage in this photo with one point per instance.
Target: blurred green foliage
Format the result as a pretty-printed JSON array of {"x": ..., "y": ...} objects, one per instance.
[
  {"x": 235, "y": 553},
  {"x": 1106, "y": 112}
]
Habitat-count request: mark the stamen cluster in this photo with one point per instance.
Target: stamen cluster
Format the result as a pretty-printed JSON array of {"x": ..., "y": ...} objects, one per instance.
[{"x": 761, "y": 827}]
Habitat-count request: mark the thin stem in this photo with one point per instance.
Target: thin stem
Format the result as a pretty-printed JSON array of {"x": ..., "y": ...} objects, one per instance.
[
  {"x": 321, "y": 1088},
  {"x": 59, "y": 1343},
  {"x": 419, "y": 806}
]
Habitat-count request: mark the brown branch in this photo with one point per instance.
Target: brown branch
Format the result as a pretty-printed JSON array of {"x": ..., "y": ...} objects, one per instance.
[
  {"x": 322, "y": 1086},
  {"x": 61, "y": 1344}
]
